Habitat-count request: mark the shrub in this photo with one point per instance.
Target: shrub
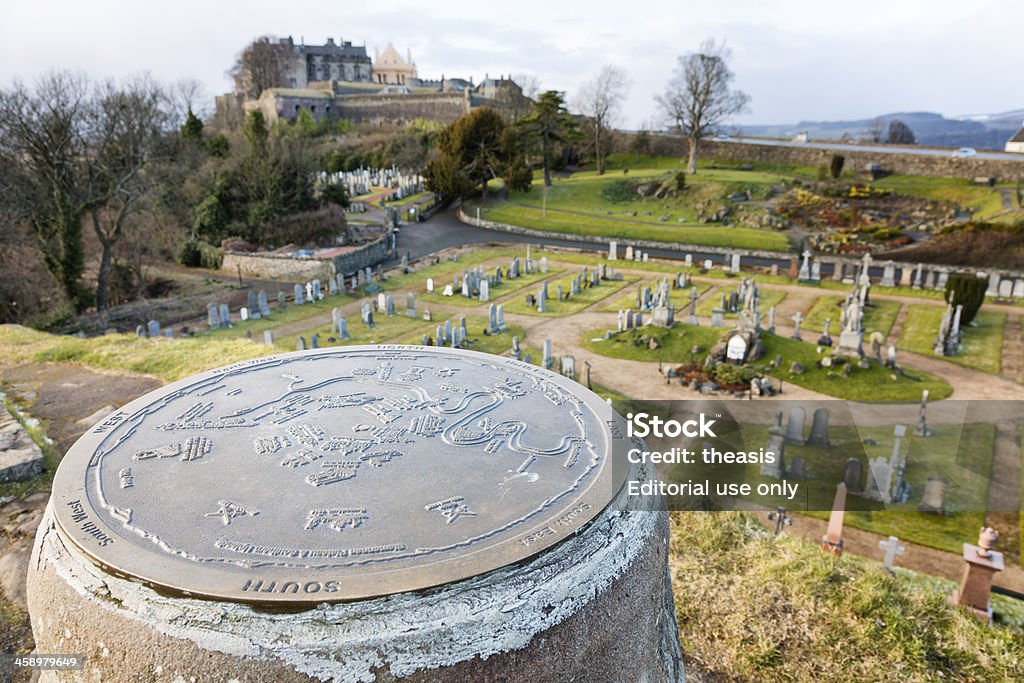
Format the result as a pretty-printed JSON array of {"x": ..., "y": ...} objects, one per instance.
[
  {"x": 619, "y": 191},
  {"x": 200, "y": 254},
  {"x": 836, "y": 167},
  {"x": 968, "y": 290}
]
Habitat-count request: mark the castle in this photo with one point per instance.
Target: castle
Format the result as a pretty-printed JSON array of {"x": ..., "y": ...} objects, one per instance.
[{"x": 339, "y": 80}]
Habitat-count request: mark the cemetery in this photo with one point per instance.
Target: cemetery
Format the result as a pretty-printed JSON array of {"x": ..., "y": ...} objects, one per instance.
[{"x": 642, "y": 328}]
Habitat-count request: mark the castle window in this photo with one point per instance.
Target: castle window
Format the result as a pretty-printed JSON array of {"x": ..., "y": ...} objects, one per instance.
[{"x": 312, "y": 108}]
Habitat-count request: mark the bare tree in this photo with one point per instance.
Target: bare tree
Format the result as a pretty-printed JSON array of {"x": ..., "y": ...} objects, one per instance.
[
  {"x": 875, "y": 130},
  {"x": 699, "y": 96},
  {"x": 529, "y": 83},
  {"x": 128, "y": 124},
  {"x": 600, "y": 100},
  {"x": 261, "y": 65},
  {"x": 43, "y": 171},
  {"x": 187, "y": 95}
]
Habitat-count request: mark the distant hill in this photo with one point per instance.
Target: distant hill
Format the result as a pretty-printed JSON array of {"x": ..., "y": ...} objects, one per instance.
[{"x": 981, "y": 131}]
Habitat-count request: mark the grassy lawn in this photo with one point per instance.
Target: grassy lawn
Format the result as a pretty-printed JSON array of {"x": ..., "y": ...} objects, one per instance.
[
  {"x": 680, "y": 297},
  {"x": 498, "y": 344},
  {"x": 385, "y": 328},
  {"x": 874, "y": 384},
  {"x": 983, "y": 344},
  {"x": 278, "y": 318},
  {"x": 961, "y": 453},
  {"x": 878, "y": 317},
  {"x": 763, "y": 608},
  {"x": 614, "y": 228},
  {"x": 675, "y": 347},
  {"x": 555, "y": 308},
  {"x": 168, "y": 359},
  {"x": 984, "y": 201},
  {"x": 769, "y": 298}
]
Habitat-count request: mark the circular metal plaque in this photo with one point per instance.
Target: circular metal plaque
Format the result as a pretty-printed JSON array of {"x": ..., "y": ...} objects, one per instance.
[{"x": 338, "y": 474}]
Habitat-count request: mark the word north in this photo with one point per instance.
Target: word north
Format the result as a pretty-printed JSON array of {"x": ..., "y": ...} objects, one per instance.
[{"x": 642, "y": 425}]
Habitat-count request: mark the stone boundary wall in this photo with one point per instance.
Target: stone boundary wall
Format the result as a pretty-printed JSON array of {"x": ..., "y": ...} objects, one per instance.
[
  {"x": 695, "y": 249},
  {"x": 445, "y": 107},
  {"x": 593, "y": 239},
  {"x": 307, "y": 268},
  {"x": 911, "y": 164}
]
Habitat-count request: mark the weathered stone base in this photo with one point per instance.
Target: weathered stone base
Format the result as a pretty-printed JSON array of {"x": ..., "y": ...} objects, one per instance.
[
  {"x": 20, "y": 457},
  {"x": 597, "y": 607}
]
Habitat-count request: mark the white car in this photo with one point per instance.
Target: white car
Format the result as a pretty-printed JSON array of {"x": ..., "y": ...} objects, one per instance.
[
  {"x": 722, "y": 137},
  {"x": 964, "y": 152}
]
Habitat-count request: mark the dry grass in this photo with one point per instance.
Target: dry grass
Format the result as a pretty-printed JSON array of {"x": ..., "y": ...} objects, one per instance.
[{"x": 756, "y": 608}]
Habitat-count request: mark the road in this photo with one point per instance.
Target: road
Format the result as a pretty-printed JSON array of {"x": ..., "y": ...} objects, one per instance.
[{"x": 879, "y": 149}]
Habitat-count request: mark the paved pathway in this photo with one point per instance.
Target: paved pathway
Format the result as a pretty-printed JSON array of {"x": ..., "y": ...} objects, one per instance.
[
  {"x": 896, "y": 332},
  {"x": 1012, "y": 356}
]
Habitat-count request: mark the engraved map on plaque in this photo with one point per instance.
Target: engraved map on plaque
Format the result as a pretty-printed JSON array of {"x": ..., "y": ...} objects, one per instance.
[{"x": 338, "y": 474}]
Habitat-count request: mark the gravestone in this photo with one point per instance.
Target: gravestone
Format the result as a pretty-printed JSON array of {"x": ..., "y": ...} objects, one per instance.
[
  {"x": 153, "y": 328},
  {"x": 546, "y": 359},
  {"x": 613, "y": 251},
  {"x": 243, "y": 313},
  {"x": 287, "y": 543},
  {"x": 282, "y": 301},
  {"x": 933, "y": 500},
  {"x": 1018, "y": 289},
  {"x": 717, "y": 318},
  {"x": 852, "y": 475},
  {"x": 776, "y": 445},
  {"x": 1005, "y": 289},
  {"x": 795, "y": 426},
  {"x": 430, "y": 284},
  {"x": 819, "y": 428},
  {"x": 225, "y": 316},
  {"x": 212, "y": 316},
  {"x": 892, "y": 548},
  {"x": 410, "y": 305},
  {"x": 268, "y": 337},
  {"x": 263, "y": 304},
  {"x": 298, "y": 295},
  {"x": 798, "y": 469},
  {"x": 889, "y": 275},
  {"x": 832, "y": 541},
  {"x": 300, "y": 344}
]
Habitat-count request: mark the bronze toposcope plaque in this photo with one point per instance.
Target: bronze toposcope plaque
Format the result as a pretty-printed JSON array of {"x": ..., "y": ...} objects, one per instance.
[{"x": 338, "y": 474}]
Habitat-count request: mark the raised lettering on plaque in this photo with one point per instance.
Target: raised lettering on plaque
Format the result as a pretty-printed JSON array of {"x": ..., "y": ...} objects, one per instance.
[{"x": 339, "y": 474}]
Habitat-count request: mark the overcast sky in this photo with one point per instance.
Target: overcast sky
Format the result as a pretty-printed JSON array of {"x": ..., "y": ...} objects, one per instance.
[{"x": 798, "y": 59}]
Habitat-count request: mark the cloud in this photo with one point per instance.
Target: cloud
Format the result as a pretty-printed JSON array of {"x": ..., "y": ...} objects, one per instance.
[{"x": 798, "y": 59}]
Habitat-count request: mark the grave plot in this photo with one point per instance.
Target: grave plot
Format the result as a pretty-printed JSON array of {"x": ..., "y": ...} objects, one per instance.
[
  {"x": 768, "y": 298},
  {"x": 570, "y": 303},
  {"x": 878, "y": 317},
  {"x": 876, "y": 383},
  {"x": 499, "y": 343},
  {"x": 959, "y": 455},
  {"x": 505, "y": 289},
  {"x": 674, "y": 345},
  {"x": 982, "y": 340},
  {"x": 385, "y": 328},
  {"x": 291, "y": 315},
  {"x": 680, "y": 297},
  {"x": 444, "y": 270}
]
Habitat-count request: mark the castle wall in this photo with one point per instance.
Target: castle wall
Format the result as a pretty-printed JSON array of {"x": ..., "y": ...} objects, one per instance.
[{"x": 376, "y": 108}]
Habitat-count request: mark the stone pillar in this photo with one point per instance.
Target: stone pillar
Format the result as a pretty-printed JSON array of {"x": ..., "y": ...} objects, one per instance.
[
  {"x": 309, "y": 574},
  {"x": 555, "y": 617},
  {"x": 976, "y": 585}
]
